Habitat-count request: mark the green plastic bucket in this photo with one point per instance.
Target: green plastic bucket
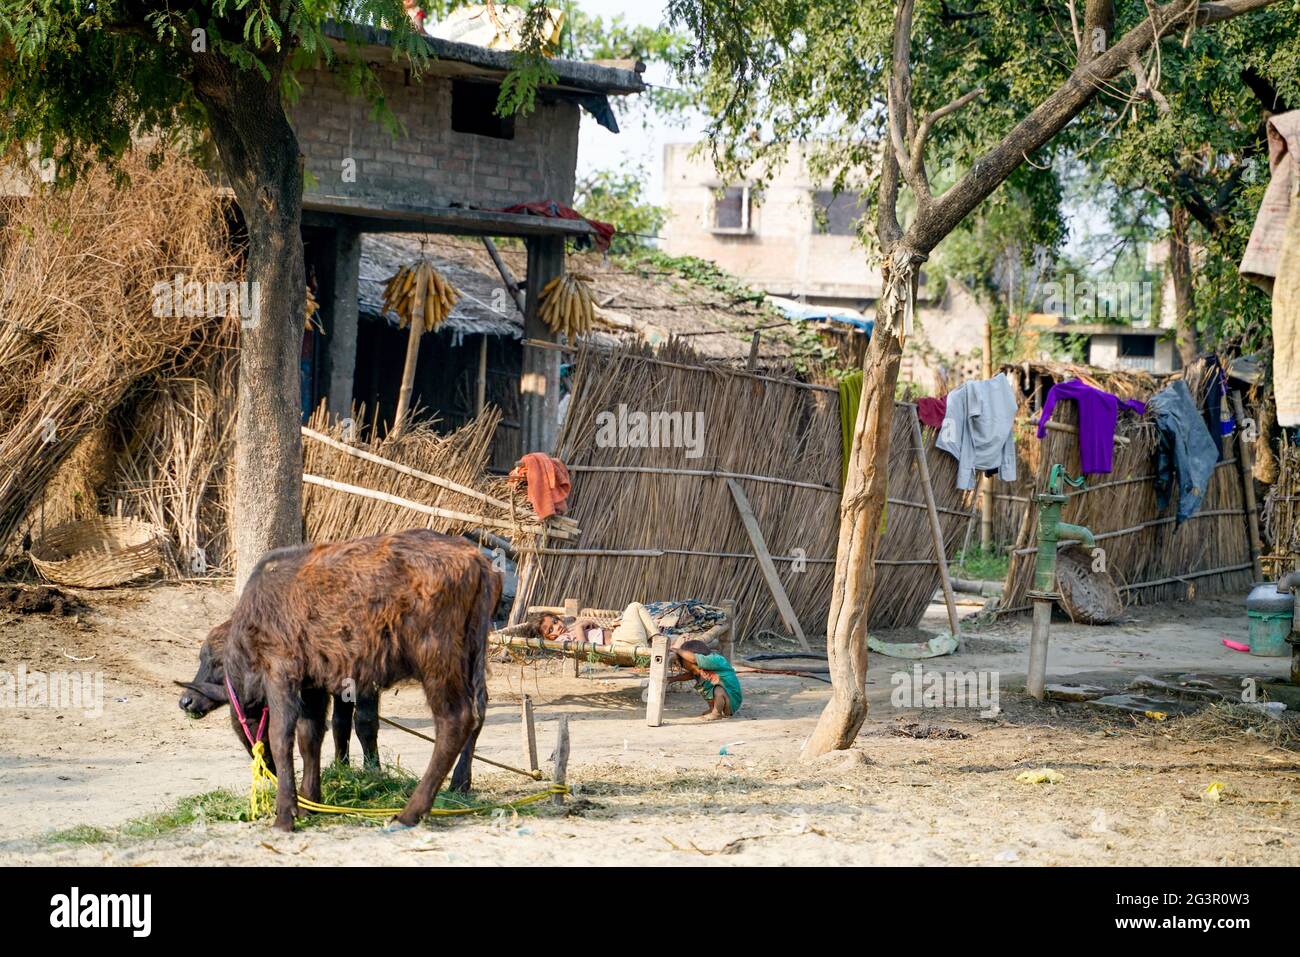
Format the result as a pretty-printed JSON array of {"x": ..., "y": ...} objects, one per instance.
[{"x": 1268, "y": 631}]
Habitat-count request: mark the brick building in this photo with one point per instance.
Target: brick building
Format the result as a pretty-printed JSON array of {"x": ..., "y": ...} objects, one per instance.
[{"x": 451, "y": 167}]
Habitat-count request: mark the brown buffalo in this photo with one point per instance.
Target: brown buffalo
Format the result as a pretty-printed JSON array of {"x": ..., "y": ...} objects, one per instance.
[
  {"x": 368, "y": 613},
  {"x": 207, "y": 691}
]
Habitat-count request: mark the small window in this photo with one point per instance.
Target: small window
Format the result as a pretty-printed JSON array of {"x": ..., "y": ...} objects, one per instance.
[
  {"x": 1137, "y": 347},
  {"x": 731, "y": 210},
  {"x": 836, "y": 214},
  {"x": 473, "y": 110}
]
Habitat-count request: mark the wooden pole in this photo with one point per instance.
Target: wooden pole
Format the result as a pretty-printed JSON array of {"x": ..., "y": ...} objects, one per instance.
[
  {"x": 560, "y": 759},
  {"x": 450, "y": 514},
  {"x": 1245, "y": 462},
  {"x": 986, "y": 483},
  {"x": 936, "y": 530},
  {"x": 727, "y": 641},
  {"x": 654, "y": 712},
  {"x": 525, "y": 572},
  {"x": 765, "y": 563},
  {"x": 507, "y": 276},
  {"x": 480, "y": 385},
  {"x": 528, "y": 733},
  {"x": 412, "y": 354},
  {"x": 571, "y": 607},
  {"x": 437, "y": 480}
]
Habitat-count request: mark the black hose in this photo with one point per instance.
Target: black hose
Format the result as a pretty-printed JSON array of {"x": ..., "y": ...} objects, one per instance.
[{"x": 782, "y": 656}]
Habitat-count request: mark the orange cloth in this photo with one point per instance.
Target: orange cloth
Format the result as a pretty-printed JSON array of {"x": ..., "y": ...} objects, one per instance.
[{"x": 548, "y": 482}]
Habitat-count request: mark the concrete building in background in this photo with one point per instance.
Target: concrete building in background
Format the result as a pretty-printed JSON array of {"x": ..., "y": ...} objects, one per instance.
[{"x": 797, "y": 240}]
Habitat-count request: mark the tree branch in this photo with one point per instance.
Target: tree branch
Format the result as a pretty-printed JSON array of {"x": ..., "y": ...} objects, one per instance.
[{"x": 936, "y": 220}]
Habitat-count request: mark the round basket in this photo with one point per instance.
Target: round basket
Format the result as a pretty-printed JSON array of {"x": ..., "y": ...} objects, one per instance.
[
  {"x": 1087, "y": 596},
  {"x": 98, "y": 552}
]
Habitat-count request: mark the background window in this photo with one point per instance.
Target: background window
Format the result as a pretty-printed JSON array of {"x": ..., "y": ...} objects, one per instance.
[
  {"x": 836, "y": 214},
  {"x": 473, "y": 110},
  {"x": 731, "y": 209}
]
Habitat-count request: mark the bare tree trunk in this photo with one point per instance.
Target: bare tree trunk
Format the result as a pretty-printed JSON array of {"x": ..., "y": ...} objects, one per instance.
[
  {"x": 260, "y": 157},
  {"x": 1180, "y": 270},
  {"x": 861, "y": 507}
]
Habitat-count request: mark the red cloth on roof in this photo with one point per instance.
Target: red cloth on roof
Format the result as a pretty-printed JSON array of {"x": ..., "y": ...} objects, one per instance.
[
  {"x": 931, "y": 411},
  {"x": 548, "y": 482},
  {"x": 552, "y": 209}
]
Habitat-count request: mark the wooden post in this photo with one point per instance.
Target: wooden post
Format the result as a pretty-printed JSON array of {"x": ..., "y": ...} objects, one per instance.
[
  {"x": 539, "y": 382},
  {"x": 480, "y": 384},
  {"x": 654, "y": 712},
  {"x": 343, "y": 330},
  {"x": 507, "y": 276},
  {"x": 571, "y": 614},
  {"x": 986, "y": 483},
  {"x": 752, "y": 362},
  {"x": 412, "y": 354},
  {"x": 1246, "y": 464},
  {"x": 766, "y": 565},
  {"x": 936, "y": 530},
  {"x": 727, "y": 641},
  {"x": 560, "y": 759},
  {"x": 524, "y": 574},
  {"x": 528, "y": 734}
]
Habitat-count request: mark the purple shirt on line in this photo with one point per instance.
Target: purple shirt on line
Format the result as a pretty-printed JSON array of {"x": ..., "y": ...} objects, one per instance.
[{"x": 1098, "y": 413}]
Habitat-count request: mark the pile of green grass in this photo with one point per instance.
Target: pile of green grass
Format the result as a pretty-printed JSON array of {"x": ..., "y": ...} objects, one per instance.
[{"x": 341, "y": 786}]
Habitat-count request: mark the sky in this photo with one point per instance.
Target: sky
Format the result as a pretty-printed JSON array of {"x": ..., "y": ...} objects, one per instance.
[{"x": 636, "y": 143}]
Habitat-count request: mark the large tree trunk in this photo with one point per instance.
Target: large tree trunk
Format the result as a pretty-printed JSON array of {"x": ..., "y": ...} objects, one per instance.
[
  {"x": 1180, "y": 270},
  {"x": 861, "y": 507},
  {"x": 261, "y": 159}
]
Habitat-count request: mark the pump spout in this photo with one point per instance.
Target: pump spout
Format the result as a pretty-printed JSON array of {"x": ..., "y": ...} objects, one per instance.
[{"x": 1065, "y": 532}]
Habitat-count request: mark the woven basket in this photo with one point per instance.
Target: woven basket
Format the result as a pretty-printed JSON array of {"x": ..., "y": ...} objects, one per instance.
[
  {"x": 98, "y": 552},
  {"x": 1089, "y": 597}
]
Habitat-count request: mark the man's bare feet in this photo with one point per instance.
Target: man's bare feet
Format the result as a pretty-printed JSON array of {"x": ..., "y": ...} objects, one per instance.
[{"x": 711, "y": 716}]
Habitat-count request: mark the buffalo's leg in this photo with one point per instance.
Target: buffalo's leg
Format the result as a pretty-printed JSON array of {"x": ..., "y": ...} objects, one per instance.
[
  {"x": 462, "y": 778},
  {"x": 368, "y": 728},
  {"x": 311, "y": 732},
  {"x": 284, "y": 720},
  {"x": 341, "y": 726},
  {"x": 453, "y": 720}
]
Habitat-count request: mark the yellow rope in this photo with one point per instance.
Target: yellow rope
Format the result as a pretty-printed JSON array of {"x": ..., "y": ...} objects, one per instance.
[{"x": 260, "y": 800}]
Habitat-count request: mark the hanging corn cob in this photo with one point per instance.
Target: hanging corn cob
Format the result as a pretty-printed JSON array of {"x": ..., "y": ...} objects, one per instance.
[
  {"x": 567, "y": 306},
  {"x": 309, "y": 314},
  {"x": 420, "y": 286}
]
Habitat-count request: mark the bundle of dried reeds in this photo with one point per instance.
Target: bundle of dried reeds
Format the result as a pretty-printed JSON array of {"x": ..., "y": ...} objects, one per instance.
[
  {"x": 79, "y": 327},
  {"x": 467, "y": 499},
  {"x": 177, "y": 464},
  {"x": 661, "y": 523}
]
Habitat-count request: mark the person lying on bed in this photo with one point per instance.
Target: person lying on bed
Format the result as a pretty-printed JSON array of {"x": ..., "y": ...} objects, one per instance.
[
  {"x": 714, "y": 677},
  {"x": 552, "y": 628}
]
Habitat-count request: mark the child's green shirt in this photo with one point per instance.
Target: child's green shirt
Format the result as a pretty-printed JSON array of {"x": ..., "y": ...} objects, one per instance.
[{"x": 720, "y": 666}]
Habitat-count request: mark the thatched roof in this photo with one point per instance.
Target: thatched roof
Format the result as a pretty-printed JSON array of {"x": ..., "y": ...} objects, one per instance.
[{"x": 637, "y": 300}]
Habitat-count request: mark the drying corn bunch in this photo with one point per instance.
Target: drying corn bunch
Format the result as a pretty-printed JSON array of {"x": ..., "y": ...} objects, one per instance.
[
  {"x": 309, "y": 314},
  {"x": 567, "y": 305},
  {"x": 420, "y": 283}
]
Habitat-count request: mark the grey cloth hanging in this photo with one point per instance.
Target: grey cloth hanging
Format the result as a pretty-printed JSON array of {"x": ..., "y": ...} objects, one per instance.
[{"x": 1186, "y": 453}]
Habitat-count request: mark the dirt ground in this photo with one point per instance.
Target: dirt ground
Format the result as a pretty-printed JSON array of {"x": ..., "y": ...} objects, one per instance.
[{"x": 933, "y": 786}]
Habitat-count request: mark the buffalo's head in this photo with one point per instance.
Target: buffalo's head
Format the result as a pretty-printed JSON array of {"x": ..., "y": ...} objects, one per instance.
[{"x": 207, "y": 691}]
